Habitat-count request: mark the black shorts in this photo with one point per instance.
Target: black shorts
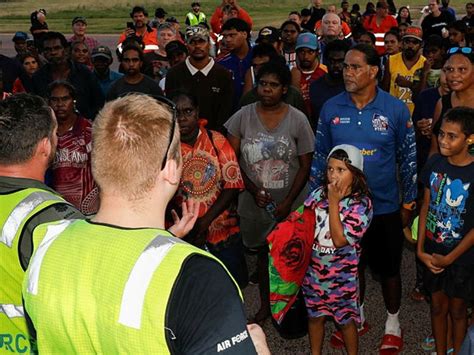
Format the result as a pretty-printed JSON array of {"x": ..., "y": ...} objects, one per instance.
[
  {"x": 382, "y": 245},
  {"x": 456, "y": 281}
]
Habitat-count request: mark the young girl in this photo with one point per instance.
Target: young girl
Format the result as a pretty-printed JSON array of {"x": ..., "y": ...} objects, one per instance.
[
  {"x": 446, "y": 227},
  {"x": 343, "y": 212}
]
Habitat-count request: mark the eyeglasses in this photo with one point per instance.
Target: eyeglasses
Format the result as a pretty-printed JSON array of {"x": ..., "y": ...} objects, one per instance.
[
  {"x": 464, "y": 50},
  {"x": 172, "y": 107}
]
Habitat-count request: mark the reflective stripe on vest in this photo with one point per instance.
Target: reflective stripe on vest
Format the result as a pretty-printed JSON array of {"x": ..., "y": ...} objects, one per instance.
[
  {"x": 35, "y": 265},
  {"x": 379, "y": 39},
  {"x": 140, "y": 277},
  {"x": 12, "y": 310},
  {"x": 151, "y": 47},
  {"x": 19, "y": 213}
]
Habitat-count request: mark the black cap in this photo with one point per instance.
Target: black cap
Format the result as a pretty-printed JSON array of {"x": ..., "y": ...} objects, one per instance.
[
  {"x": 20, "y": 36},
  {"x": 268, "y": 34},
  {"x": 175, "y": 47},
  {"x": 160, "y": 12}
]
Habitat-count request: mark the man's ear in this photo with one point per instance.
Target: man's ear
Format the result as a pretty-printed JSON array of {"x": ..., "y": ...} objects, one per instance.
[
  {"x": 44, "y": 148},
  {"x": 374, "y": 70},
  {"x": 171, "y": 172}
]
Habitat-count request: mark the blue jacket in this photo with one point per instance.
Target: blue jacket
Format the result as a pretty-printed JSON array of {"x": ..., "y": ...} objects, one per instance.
[{"x": 384, "y": 133}]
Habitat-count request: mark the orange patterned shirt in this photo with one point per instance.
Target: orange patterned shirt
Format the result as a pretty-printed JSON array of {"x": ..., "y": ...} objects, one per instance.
[{"x": 207, "y": 170}]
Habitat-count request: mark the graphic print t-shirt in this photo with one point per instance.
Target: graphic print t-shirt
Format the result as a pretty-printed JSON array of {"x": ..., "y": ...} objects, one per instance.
[
  {"x": 451, "y": 211},
  {"x": 270, "y": 157}
]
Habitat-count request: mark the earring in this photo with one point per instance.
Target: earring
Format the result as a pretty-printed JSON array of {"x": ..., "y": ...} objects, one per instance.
[{"x": 469, "y": 141}]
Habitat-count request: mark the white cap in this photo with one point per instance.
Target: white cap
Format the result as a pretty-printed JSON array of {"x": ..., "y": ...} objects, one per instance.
[{"x": 356, "y": 159}]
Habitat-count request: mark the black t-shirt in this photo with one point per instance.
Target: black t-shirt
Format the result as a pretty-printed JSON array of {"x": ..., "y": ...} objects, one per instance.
[
  {"x": 433, "y": 25},
  {"x": 205, "y": 314},
  {"x": 451, "y": 211},
  {"x": 146, "y": 86},
  {"x": 319, "y": 92}
]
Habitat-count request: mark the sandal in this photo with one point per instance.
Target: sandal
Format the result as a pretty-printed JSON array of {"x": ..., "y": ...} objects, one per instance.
[
  {"x": 417, "y": 295},
  {"x": 428, "y": 343},
  {"x": 337, "y": 341},
  {"x": 391, "y": 344}
]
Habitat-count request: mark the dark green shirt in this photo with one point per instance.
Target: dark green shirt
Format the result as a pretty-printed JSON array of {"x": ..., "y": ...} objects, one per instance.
[{"x": 55, "y": 212}]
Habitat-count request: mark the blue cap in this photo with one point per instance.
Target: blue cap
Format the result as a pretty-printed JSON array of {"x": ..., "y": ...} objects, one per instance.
[
  {"x": 23, "y": 36},
  {"x": 307, "y": 40}
]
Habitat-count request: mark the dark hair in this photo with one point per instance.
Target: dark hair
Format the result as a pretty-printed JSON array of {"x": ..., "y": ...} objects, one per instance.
[
  {"x": 137, "y": 9},
  {"x": 394, "y": 33},
  {"x": 289, "y": 22},
  {"x": 462, "y": 115},
  {"x": 132, "y": 47},
  {"x": 305, "y": 12},
  {"x": 175, "y": 95},
  {"x": 236, "y": 24},
  {"x": 264, "y": 50},
  {"x": 294, "y": 13},
  {"x": 62, "y": 83},
  {"x": 355, "y": 8},
  {"x": 28, "y": 54},
  {"x": 25, "y": 120},
  {"x": 370, "y": 35},
  {"x": 434, "y": 41},
  {"x": 50, "y": 36},
  {"x": 344, "y": 2},
  {"x": 195, "y": 4},
  {"x": 459, "y": 51},
  {"x": 359, "y": 185},
  {"x": 458, "y": 25},
  {"x": 337, "y": 45},
  {"x": 277, "y": 68},
  {"x": 371, "y": 56},
  {"x": 399, "y": 19}
]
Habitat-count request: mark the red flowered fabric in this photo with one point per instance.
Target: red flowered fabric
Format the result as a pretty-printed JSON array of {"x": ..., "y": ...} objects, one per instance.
[{"x": 290, "y": 253}]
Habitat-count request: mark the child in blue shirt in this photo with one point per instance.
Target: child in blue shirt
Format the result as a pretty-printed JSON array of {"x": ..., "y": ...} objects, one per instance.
[{"x": 446, "y": 227}]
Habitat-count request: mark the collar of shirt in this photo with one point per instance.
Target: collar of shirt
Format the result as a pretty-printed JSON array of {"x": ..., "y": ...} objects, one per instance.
[
  {"x": 375, "y": 103},
  {"x": 193, "y": 70}
]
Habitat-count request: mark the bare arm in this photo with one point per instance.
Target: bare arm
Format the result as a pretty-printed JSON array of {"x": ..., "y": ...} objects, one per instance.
[
  {"x": 466, "y": 243},
  {"x": 302, "y": 176}
]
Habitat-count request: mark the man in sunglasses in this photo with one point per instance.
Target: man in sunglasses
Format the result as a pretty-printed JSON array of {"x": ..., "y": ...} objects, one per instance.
[
  {"x": 121, "y": 282},
  {"x": 405, "y": 72}
]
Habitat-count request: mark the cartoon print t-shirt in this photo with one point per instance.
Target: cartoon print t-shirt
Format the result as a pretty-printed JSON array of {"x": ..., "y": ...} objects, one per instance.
[{"x": 451, "y": 211}]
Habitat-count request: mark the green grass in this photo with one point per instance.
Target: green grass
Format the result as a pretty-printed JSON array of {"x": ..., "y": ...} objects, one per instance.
[{"x": 108, "y": 16}]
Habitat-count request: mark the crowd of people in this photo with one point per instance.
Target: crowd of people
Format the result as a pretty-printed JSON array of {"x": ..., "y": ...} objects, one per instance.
[{"x": 330, "y": 139}]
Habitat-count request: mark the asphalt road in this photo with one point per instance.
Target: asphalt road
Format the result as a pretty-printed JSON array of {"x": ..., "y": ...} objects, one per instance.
[{"x": 414, "y": 316}]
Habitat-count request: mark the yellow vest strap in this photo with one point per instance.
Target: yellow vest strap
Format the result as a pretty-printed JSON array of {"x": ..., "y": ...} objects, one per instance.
[
  {"x": 12, "y": 310},
  {"x": 53, "y": 231},
  {"x": 21, "y": 211},
  {"x": 140, "y": 277}
]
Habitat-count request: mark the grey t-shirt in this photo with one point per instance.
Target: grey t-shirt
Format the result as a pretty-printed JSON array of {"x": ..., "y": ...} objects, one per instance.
[{"x": 270, "y": 157}]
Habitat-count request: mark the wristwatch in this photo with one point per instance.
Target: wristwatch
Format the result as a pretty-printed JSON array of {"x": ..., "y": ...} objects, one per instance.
[{"x": 411, "y": 206}]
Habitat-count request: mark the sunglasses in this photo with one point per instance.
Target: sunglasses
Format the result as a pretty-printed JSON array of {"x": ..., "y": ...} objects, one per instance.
[
  {"x": 172, "y": 107},
  {"x": 464, "y": 50}
]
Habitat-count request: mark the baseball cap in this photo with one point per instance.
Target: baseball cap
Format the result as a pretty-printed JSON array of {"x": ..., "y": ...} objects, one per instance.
[
  {"x": 414, "y": 32},
  {"x": 175, "y": 47},
  {"x": 22, "y": 36},
  {"x": 196, "y": 32},
  {"x": 268, "y": 34},
  {"x": 307, "y": 40},
  {"x": 355, "y": 157},
  {"x": 160, "y": 12},
  {"x": 101, "y": 51},
  {"x": 79, "y": 19}
]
